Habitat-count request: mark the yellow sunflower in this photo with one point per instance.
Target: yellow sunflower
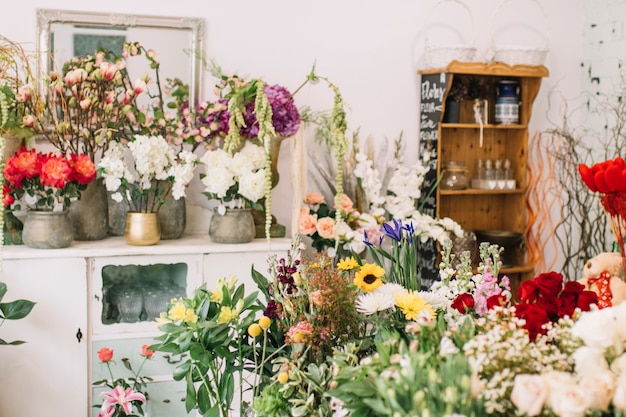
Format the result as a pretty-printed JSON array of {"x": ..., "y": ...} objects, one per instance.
[
  {"x": 347, "y": 264},
  {"x": 412, "y": 305},
  {"x": 368, "y": 278}
]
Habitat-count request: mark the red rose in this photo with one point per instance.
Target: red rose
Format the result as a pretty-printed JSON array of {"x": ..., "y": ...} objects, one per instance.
[
  {"x": 84, "y": 168},
  {"x": 528, "y": 292},
  {"x": 549, "y": 283},
  {"x": 7, "y": 198},
  {"x": 551, "y": 306},
  {"x": 496, "y": 300},
  {"x": 105, "y": 354},
  {"x": 586, "y": 299},
  {"x": 463, "y": 303},
  {"x": 535, "y": 317},
  {"x": 573, "y": 286},
  {"x": 569, "y": 300},
  {"x": 23, "y": 164},
  {"x": 146, "y": 352}
]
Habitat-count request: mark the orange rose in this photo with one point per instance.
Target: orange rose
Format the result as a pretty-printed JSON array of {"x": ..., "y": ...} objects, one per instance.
[
  {"x": 146, "y": 352},
  {"x": 313, "y": 198},
  {"x": 55, "y": 171},
  {"x": 105, "y": 354},
  {"x": 326, "y": 227},
  {"x": 23, "y": 164},
  {"x": 306, "y": 222},
  {"x": 346, "y": 203},
  {"x": 84, "y": 168}
]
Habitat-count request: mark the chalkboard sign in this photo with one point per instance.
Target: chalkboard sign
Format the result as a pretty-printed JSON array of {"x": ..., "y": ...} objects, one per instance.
[{"x": 432, "y": 90}]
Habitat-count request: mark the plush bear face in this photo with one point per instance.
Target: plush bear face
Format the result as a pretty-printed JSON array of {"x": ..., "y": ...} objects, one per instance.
[{"x": 606, "y": 261}]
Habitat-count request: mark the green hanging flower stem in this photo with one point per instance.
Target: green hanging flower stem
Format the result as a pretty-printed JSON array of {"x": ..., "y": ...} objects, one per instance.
[{"x": 264, "y": 114}]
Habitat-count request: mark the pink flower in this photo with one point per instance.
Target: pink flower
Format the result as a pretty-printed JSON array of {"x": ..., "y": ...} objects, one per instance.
[
  {"x": 313, "y": 198},
  {"x": 326, "y": 227},
  {"x": 306, "y": 222},
  {"x": 28, "y": 120},
  {"x": 300, "y": 333},
  {"x": 75, "y": 76},
  {"x": 85, "y": 104},
  {"x": 153, "y": 55},
  {"x": 119, "y": 396},
  {"x": 139, "y": 86},
  {"x": 109, "y": 70},
  {"x": 23, "y": 94},
  {"x": 346, "y": 203}
]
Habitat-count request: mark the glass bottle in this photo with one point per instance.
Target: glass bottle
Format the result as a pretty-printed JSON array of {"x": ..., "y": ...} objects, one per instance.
[
  {"x": 490, "y": 175},
  {"x": 499, "y": 174},
  {"x": 508, "y": 175}
]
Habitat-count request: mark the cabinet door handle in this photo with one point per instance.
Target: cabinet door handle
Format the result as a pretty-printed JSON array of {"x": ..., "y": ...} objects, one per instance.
[{"x": 79, "y": 335}]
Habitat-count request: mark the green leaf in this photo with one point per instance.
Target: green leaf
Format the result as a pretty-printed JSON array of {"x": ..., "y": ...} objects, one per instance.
[
  {"x": 182, "y": 370},
  {"x": 16, "y": 310},
  {"x": 15, "y": 342},
  {"x": 3, "y": 290}
]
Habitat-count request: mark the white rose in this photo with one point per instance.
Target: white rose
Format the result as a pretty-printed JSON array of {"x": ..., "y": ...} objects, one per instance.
[
  {"x": 529, "y": 393},
  {"x": 619, "y": 395},
  {"x": 218, "y": 181},
  {"x": 599, "y": 388},
  {"x": 600, "y": 329},
  {"x": 618, "y": 366},
  {"x": 566, "y": 398},
  {"x": 589, "y": 360},
  {"x": 252, "y": 185},
  {"x": 241, "y": 165}
]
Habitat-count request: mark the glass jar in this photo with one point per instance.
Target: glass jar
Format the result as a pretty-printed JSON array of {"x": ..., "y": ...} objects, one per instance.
[{"x": 454, "y": 176}]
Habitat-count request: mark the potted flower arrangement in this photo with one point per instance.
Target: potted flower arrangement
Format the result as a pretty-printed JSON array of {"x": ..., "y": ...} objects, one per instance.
[
  {"x": 46, "y": 184},
  {"x": 143, "y": 173},
  {"x": 238, "y": 181}
]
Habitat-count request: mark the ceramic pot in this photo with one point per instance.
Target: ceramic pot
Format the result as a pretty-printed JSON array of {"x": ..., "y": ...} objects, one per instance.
[
  {"x": 172, "y": 218},
  {"x": 117, "y": 215},
  {"x": 90, "y": 215},
  {"x": 47, "y": 229},
  {"x": 142, "y": 229},
  {"x": 234, "y": 226}
]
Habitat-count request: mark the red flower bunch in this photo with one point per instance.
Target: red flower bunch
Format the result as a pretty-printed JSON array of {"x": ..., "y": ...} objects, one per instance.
[
  {"x": 546, "y": 299},
  {"x": 45, "y": 181},
  {"x": 605, "y": 177}
]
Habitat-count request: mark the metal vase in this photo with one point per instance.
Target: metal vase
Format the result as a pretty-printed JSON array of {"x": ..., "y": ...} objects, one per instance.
[
  {"x": 142, "y": 229},
  {"x": 90, "y": 214}
]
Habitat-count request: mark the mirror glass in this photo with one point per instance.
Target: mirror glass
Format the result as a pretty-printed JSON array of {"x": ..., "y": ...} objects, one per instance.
[{"x": 63, "y": 34}]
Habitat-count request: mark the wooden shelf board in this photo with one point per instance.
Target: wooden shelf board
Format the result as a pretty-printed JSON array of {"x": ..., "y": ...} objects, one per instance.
[
  {"x": 477, "y": 126},
  {"x": 478, "y": 191}
]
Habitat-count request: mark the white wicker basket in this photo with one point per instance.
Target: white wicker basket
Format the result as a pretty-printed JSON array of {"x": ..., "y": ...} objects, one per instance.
[
  {"x": 521, "y": 54},
  {"x": 440, "y": 55}
]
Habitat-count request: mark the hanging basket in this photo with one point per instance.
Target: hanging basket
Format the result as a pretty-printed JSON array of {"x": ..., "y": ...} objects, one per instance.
[
  {"x": 440, "y": 55},
  {"x": 519, "y": 54}
]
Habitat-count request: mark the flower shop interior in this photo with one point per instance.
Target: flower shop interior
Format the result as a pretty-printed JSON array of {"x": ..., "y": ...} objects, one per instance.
[{"x": 333, "y": 209}]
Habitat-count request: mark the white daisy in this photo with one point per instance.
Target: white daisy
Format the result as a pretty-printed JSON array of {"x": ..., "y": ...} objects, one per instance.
[{"x": 374, "y": 302}]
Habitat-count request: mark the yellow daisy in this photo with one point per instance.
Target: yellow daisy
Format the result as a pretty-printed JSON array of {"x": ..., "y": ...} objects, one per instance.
[
  {"x": 347, "y": 264},
  {"x": 412, "y": 305},
  {"x": 368, "y": 277}
]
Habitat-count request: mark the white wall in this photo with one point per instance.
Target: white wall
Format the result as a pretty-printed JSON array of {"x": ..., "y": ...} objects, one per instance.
[{"x": 370, "y": 49}]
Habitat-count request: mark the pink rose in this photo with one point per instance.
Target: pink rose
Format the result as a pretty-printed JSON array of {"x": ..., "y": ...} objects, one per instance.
[
  {"x": 346, "y": 203},
  {"x": 28, "y": 120},
  {"x": 313, "y": 198},
  {"x": 326, "y": 227},
  {"x": 23, "y": 94},
  {"x": 306, "y": 222}
]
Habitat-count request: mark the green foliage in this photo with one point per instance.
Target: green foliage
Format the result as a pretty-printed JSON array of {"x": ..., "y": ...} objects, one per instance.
[
  {"x": 211, "y": 328},
  {"x": 14, "y": 310}
]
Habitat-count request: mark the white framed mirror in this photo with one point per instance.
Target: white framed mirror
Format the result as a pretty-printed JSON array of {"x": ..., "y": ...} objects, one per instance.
[{"x": 63, "y": 34}]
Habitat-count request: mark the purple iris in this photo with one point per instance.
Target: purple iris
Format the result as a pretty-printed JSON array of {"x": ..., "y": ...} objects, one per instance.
[{"x": 394, "y": 232}]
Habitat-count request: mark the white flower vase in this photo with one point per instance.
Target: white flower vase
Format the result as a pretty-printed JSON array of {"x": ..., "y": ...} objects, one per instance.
[{"x": 234, "y": 226}]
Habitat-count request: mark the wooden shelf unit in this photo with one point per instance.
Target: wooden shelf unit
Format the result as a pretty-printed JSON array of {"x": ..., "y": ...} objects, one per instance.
[{"x": 478, "y": 209}]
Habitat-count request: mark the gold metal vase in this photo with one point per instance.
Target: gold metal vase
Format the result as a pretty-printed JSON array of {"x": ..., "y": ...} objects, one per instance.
[{"x": 142, "y": 229}]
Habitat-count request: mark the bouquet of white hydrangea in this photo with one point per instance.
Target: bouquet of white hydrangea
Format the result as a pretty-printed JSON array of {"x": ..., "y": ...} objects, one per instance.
[
  {"x": 238, "y": 178},
  {"x": 145, "y": 171}
]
